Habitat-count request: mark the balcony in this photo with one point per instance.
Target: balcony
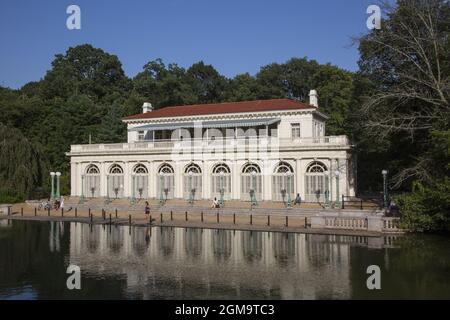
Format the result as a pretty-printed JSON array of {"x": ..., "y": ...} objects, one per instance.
[{"x": 203, "y": 145}]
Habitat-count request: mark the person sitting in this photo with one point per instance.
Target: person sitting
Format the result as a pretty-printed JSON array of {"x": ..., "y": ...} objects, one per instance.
[
  {"x": 298, "y": 199},
  {"x": 215, "y": 203},
  {"x": 394, "y": 210}
]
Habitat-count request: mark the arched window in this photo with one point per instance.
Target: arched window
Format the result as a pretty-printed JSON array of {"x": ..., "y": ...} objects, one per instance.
[
  {"x": 165, "y": 169},
  {"x": 316, "y": 182},
  {"x": 92, "y": 169},
  {"x": 284, "y": 167},
  {"x": 283, "y": 182},
  {"x": 221, "y": 181},
  {"x": 140, "y": 169},
  {"x": 115, "y": 169},
  {"x": 91, "y": 183},
  {"x": 115, "y": 182},
  {"x": 221, "y": 167},
  {"x": 251, "y": 182},
  {"x": 166, "y": 182},
  {"x": 140, "y": 181},
  {"x": 193, "y": 168},
  {"x": 316, "y": 167},
  {"x": 251, "y": 167},
  {"x": 192, "y": 188}
]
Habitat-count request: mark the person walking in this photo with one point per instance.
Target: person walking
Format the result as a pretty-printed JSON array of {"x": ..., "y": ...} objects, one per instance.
[{"x": 61, "y": 204}]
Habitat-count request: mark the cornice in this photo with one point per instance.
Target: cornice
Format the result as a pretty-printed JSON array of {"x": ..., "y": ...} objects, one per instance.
[{"x": 224, "y": 116}]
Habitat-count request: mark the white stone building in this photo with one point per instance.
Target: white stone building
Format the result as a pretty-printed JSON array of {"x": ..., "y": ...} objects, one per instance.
[{"x": 263, "y": 149}]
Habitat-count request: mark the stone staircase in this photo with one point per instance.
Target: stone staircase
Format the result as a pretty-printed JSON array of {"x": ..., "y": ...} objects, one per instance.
[{"x": 182, "y": 205}]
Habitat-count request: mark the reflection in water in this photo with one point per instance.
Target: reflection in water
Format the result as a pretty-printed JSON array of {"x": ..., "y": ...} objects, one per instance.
[
  {"x": 171, "y": 262},
  {"x": 177, "y": 263}
]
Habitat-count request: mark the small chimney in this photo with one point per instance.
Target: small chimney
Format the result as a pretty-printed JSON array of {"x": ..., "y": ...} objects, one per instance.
[
  {"x": 147, "y": 107},
  {"x": 313, "y": 98}
]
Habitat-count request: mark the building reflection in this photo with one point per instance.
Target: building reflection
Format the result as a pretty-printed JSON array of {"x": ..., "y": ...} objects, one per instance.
[{"x": 206, "y": 263}]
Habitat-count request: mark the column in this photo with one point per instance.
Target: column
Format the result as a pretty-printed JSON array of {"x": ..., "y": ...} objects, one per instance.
[
  {"x": 205, "y": 176},
  {"x": 266, "y": 180},
  {"x": 151, "y": 179},
  {"x": 126, "y": 179},
  {"x": 73, "y": 179},
  {"x": 178, "y": 192},
  {"x": 299, "y": 178},
  {"x": 235, "y": 181},
  {"x": 103, "y": 173}
]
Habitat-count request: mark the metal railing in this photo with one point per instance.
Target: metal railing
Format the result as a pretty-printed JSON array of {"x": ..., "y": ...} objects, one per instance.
[
  {"x": 353, "y": 202},
  {"x": 218, "y": 142}
]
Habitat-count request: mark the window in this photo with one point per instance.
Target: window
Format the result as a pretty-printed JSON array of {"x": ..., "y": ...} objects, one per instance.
[
  {"x": 295, "y": 127},
  {"x": 141, "y": 135}
]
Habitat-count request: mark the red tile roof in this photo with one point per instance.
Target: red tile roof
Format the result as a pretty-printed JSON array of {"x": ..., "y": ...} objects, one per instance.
[{"x": 224, "y": 107}]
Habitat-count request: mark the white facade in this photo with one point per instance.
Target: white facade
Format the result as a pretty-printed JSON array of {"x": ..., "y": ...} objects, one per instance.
[{"x": 269, "y": 154}]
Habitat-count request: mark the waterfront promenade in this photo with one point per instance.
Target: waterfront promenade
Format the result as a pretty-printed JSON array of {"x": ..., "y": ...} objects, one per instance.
[{"x": 236, "y": 215}]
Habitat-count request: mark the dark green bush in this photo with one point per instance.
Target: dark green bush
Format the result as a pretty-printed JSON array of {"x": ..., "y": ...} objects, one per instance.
[{"x": 426, "y": 208}]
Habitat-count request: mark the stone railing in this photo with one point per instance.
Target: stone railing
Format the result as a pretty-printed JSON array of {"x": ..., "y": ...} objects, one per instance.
[
  {"x": 354, "y": 221},
  {"x": 359, "y": 223},
  {"x": 391, "y": 224},
  {"x": 217, "y": 143}
]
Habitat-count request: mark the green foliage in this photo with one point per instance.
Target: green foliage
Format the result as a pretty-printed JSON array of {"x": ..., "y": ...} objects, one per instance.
[
  {"x": 426, "y": 208},
  {"x": 22, "y": 165},
  {"x": 8, "y": 195}
]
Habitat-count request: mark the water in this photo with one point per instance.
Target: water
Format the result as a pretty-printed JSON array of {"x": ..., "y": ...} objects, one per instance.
[{"x": 178, "y": 263}]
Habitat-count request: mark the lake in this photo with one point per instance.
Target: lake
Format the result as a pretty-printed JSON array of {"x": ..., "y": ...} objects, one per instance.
[{"x": 121, "y": 262}]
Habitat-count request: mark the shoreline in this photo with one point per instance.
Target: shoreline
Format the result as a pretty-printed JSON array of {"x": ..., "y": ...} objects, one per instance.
[{"x": 199, "y": 225}]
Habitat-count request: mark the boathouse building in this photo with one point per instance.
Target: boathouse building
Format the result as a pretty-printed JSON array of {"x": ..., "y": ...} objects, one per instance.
[{"x": 263, "y": 150}]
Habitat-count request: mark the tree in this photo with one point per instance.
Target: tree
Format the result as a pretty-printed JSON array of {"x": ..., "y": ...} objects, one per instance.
[
  {"x": 85, "y": 70},
  {"x": 23, "y": 167},
  {"x": 407, "y": 61},
  {"x": 111, "y": 129}
]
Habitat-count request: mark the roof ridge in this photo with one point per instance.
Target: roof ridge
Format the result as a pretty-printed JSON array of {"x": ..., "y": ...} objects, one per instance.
[{"x": 224, "y": 102}]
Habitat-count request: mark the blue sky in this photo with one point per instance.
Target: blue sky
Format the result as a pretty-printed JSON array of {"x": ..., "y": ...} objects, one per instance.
[{"x": 234, "y": 36}]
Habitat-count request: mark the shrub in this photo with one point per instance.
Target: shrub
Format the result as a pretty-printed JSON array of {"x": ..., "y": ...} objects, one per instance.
[{"x": 426, "y": 208}]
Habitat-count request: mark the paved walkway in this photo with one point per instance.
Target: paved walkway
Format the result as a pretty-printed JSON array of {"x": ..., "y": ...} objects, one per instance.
[{"x": 235, "y": 218}]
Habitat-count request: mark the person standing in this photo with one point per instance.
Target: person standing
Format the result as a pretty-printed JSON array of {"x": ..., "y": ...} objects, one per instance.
[
  {"x": 147, "y": 211},
  {"x": 61, "y": 204}
]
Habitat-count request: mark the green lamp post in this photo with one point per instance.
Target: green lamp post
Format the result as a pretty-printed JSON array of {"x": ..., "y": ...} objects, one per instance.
[
  {"x": 161, "y": 179},
  {"x": 52, "y": 195},
  {"x": 384, "y": 172},
  {"x": 253, "y": 190},
  {"x": 57, "y": 194},
  {"x": 222, "y": 191},
  {"x": 191, "y": 190},
  {"x": 133, "y": 187},
  {"x": 327, "y": 190},
  {"x": 107, "y": 189},
  {"x": 82, "y": 189},
  {"x": 338, "y": 201},
  {"x": 289, "y": 201}
]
